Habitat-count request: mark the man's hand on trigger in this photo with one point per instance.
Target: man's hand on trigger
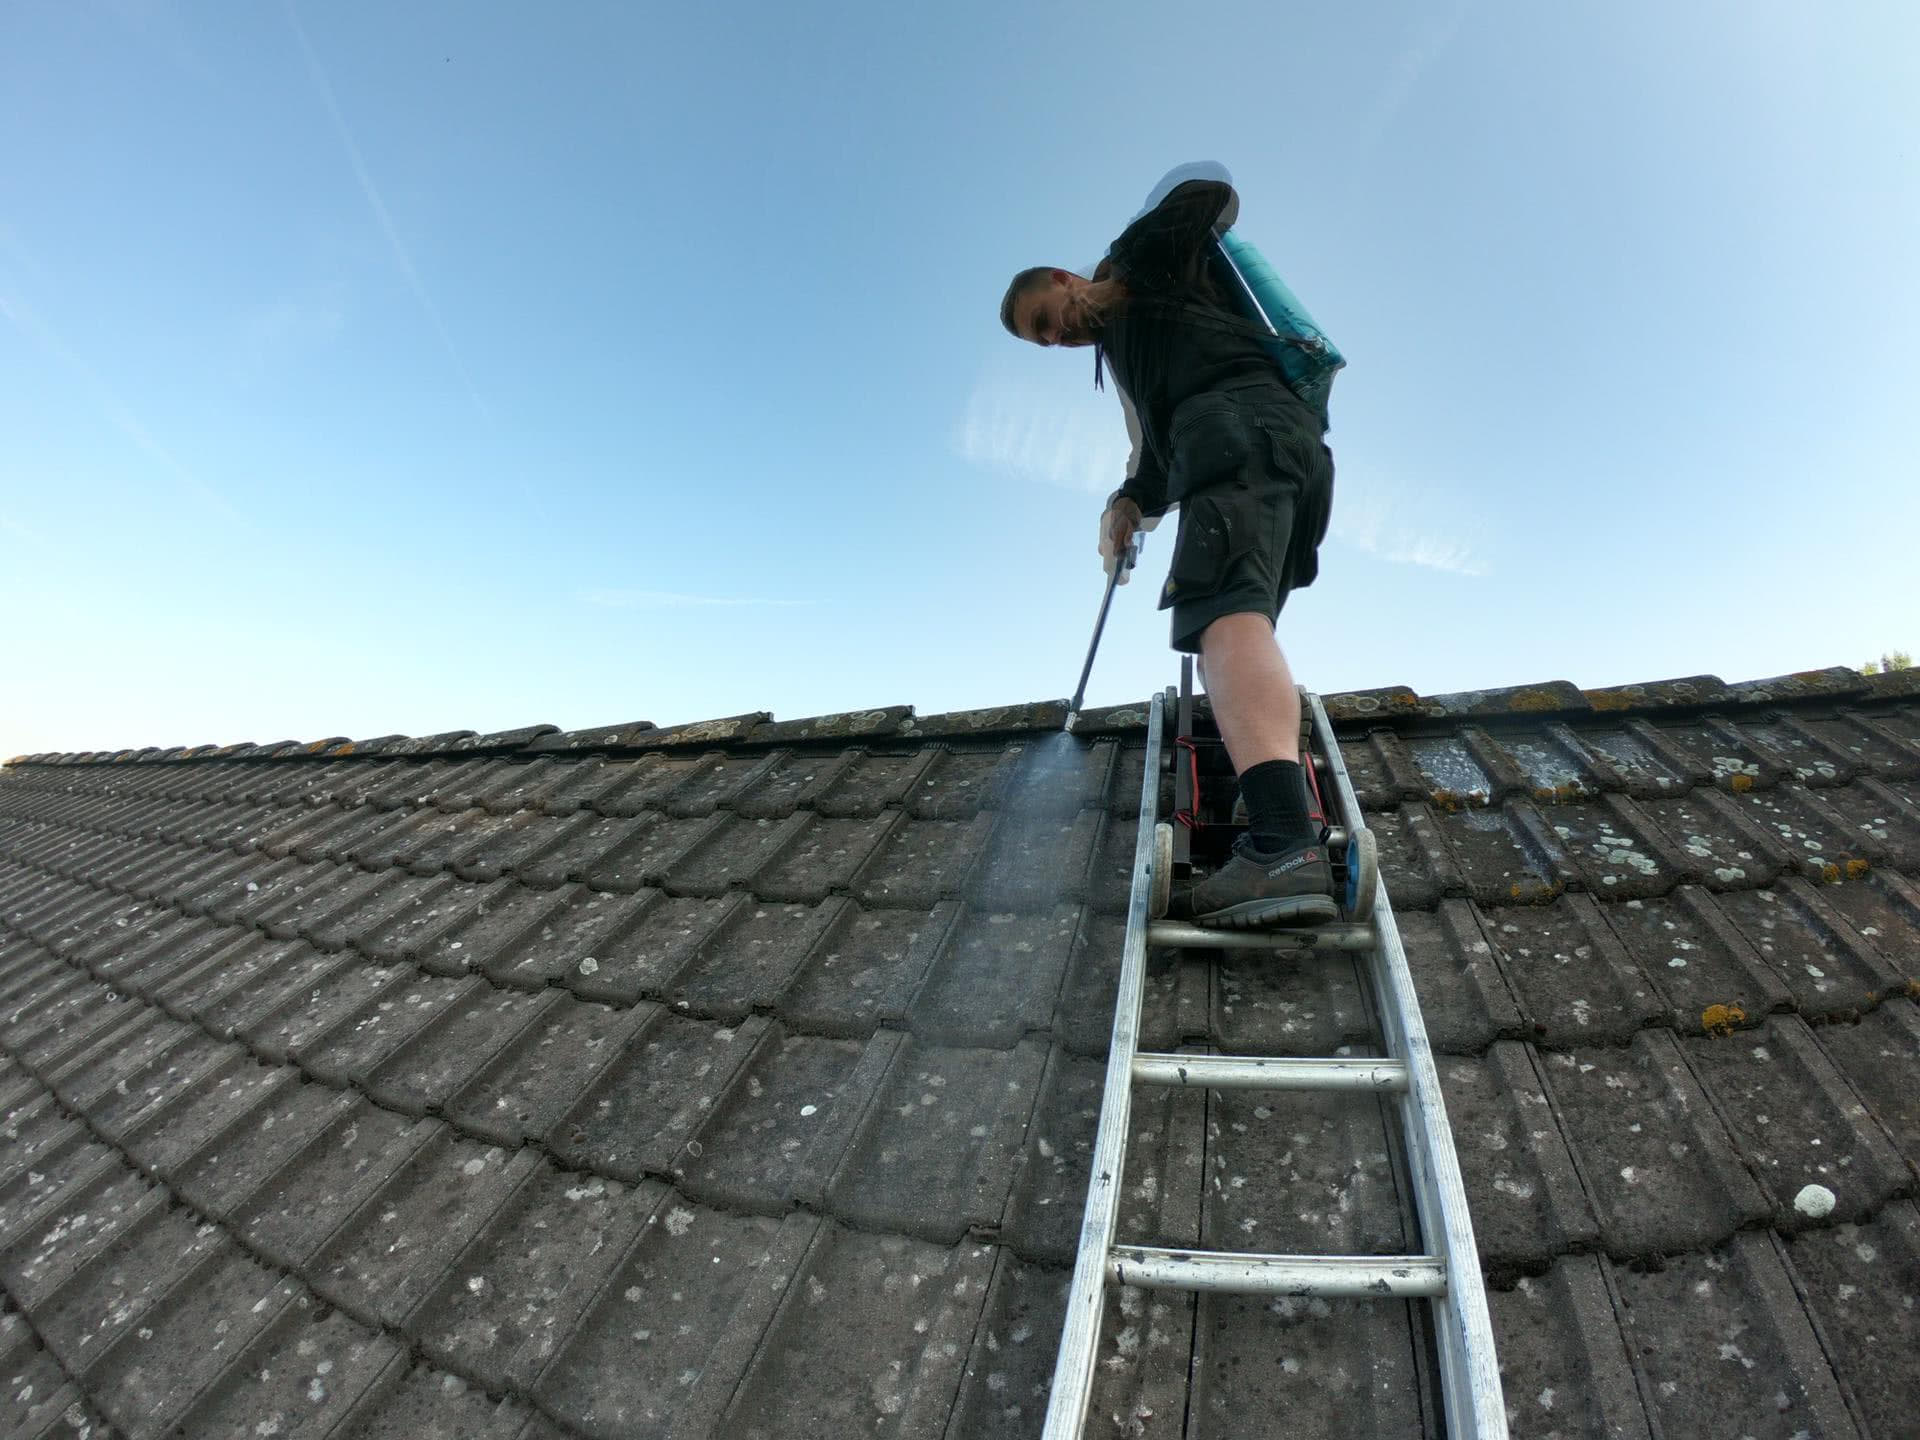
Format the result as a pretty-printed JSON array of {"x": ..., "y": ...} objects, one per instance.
[{"x": 1117, "y": 525}]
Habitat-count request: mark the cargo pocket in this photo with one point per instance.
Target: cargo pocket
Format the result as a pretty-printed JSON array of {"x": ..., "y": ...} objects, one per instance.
[
  {"x": 1212, "y": 441},
  {"x": 1216, "y": 529}
]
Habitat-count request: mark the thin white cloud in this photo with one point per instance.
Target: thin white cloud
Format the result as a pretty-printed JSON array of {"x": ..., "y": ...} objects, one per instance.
[
  {"x": 402, "y": 257},
  {"x": 1049, "y": 433},
  {"x": 618, "y": 599},
  {"x": 1364, "y": 523},
  {"x": 117, "y": 412},
  {"x": 1433, "y": 34},
  {"x": 24, "y": 532}
]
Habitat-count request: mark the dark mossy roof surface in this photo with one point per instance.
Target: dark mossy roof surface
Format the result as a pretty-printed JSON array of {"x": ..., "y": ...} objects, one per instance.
[{"x": 740, "y": 1078}]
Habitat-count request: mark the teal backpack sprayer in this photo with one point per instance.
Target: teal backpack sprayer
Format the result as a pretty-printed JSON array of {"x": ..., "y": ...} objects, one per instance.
[{"x": 1306, "y": 358}]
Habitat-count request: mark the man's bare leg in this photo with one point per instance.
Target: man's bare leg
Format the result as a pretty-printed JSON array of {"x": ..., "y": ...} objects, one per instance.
[
  {"x": 1254, "y": 700},
  {"x": 1279, "y": 873}
]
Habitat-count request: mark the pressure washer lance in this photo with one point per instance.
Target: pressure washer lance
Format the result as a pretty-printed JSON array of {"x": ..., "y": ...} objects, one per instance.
[{"x": 1123, "y": 562}]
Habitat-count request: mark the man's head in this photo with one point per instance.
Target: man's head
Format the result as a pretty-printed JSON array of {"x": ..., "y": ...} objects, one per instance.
[{"x": 1044, "y": 305}]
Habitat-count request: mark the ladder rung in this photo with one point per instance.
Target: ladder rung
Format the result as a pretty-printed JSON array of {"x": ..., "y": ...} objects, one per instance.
[
  {"x": 1261, "y": 1072},
  {"x": 1366, "y": 1277},
  {"x": 1181, "y": 936}
]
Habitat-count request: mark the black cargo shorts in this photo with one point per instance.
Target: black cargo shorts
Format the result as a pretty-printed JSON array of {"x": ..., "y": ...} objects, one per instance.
[{"x": 1254, "y": 482}]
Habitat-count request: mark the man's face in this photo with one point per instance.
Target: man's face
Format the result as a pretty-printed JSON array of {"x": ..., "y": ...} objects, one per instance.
[{"x": 1054, "y": 315}]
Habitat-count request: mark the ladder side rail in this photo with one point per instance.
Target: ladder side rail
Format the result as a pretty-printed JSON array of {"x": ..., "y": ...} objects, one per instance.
[
  {"x": 1073, "y": 1368},
  {"x": 1470, "y": 1371}
]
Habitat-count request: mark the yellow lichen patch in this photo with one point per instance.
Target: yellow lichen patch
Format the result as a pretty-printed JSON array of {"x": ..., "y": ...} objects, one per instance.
[
  {"x": 1856, "y": 868},
  {"x": 1605, "y": 700},
  {"x": 1720, "y": 1019},
  {"x": 1446, "y": 800},
  {"x": 1534, "y": 701},
  {"x": 1559, "y": 794},
  {"x": 1913, "y": 989},
  {"x": 346, "y": 749},
  {"x": 1830, "y": 873},
  {"x": 1740, "y": 784}
]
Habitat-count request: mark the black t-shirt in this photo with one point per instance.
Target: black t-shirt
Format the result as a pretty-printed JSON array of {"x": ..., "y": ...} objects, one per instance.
[{"x": 1175, "y": 336}]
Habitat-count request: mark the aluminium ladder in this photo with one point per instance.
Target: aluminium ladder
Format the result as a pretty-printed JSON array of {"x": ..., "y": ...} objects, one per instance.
[{"x": 1447, "y": 1275}]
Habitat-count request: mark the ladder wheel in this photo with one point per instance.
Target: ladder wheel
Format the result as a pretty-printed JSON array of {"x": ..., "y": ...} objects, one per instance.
[
  {"x": 1363, "y": 874},
  {"x": 1162, "y": 871}
]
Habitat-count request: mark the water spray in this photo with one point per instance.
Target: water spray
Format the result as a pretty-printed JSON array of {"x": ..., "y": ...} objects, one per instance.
[{"x": 1123, "y": 562}]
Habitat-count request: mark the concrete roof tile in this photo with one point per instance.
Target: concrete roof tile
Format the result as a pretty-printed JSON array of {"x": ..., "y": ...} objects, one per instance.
[
  {"x": 292, "y": 1212},
  {"x": 78, "y": 1221},
  {"x": 1034, "y": 861},
  {"x": 923, "y": 862},
  {"x": 67, "y": 1159},
  {"x": 961, "y": 781},
  {"x": 651, "y": 953},
  {"x": 252, "y": 1149},
  {"x": 146, "y": 1380},
  {"x": 1564, "y": 1365},
  {"x": 1724, "y": 1347},
  {"x": 516, "y": 1293},
  {"x": 786, "y": 1116},
  {"x": 871, "y": 781},
  {"x": 426, "y": 1403},
  {"x": 1048, "y": 1196},
  {"x": 301, "y": 1374},
  {"x": 1008, "y": 1373},
  {"x": 524, "y": 1090},
  {"x": 1883, "y": 907},
  {"x": 717, "y": 782},
  {"x": 821, "y": 856},
  {"x": 904, "y": 1313},
  {"x": 1414, "y": 854},
  {"x": 403, "y": 1239},
  {"x": 1576, "y": 983},
  {"x": 334, "y": 995},
  {"x": 120, "y": 1285},
  {"x": 379, "y": 926},
  {"x": 1829, "y": 968},
  {"x": 937, "y": 1150},
  {"x": 1465, "y": 998},
  {"x": 1724, "y": 847},
  {"x": 1695, "y": 959},
  {"x": 638, "y": 1114},
  {"x": 1879, "y": 1054},
  {"x": 751, "y": 958},
  {"x": 192, "y": 1060},
  {"x": 171, "y": 1137},
  {"x": 85, "y": 1076},
  {"x": 1302, "y": 1004},
  {"x": 1658, "y": 1165},
  {"x": 363, "y": 1040},
  {"x": 1522, "y": 1188},
  {"x": 1796, "y": 1121},
  {"x": 484, "y": 921},
  {"x": 453, "y": 1048},
  {"x": 1862, "y": 1283},
  {"x": 667, "y": 1339},
  {"x": 648, "y": 853},
  {"x": 865, "y": 969},
  {"x": 577, "y": 926},
  {"x": 997, "y": 975},
  {"x": 729, "y": 851}
]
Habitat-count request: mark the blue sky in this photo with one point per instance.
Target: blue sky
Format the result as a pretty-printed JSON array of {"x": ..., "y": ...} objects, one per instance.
[{"x": 371, "y": 368}]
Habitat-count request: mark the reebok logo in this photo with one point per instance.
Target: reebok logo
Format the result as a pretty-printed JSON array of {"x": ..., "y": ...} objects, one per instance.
[{"x": 1305, "y": 857}]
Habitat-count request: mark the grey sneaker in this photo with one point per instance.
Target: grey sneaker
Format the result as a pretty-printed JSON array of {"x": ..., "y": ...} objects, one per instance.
[{"x": 1254, "y": 890}]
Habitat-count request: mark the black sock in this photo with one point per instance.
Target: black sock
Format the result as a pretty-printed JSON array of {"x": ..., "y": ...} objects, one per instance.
[{"x": 1277, "y": 810}]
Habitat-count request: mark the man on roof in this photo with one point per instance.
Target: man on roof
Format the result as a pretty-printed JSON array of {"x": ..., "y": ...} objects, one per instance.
[{"x": 1217, "y": 433}]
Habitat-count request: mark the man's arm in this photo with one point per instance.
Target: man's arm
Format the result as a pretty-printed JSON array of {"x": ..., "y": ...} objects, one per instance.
[
  {"x": 1162, "y": 248},
  {"x": 1146, "y": 482}
]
